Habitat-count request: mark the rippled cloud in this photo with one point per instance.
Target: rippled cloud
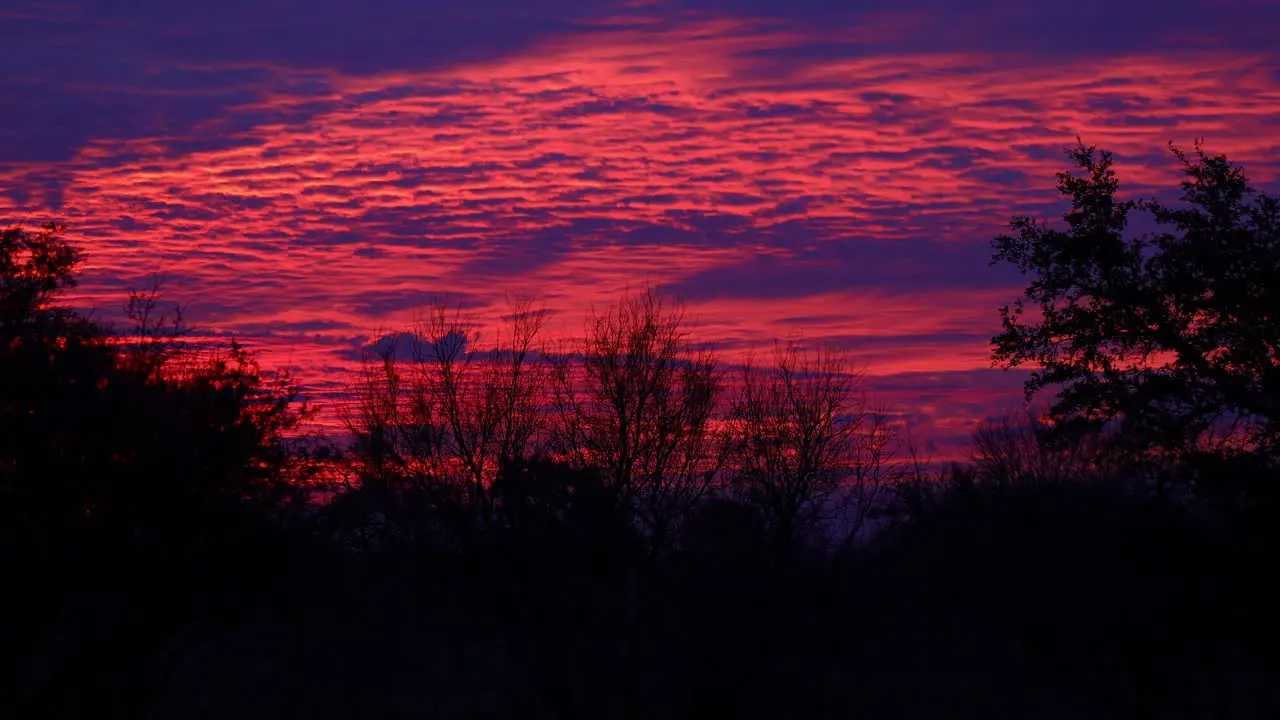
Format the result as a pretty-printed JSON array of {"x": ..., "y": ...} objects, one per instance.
[{"x": 310, "y": 177}]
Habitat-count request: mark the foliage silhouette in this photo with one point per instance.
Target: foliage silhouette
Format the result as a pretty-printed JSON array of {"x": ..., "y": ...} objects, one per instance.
[
  {"x": 130, "y": 470},
  {"x": 1171, "y": 337},
  {"x": 624, "y": 526}
]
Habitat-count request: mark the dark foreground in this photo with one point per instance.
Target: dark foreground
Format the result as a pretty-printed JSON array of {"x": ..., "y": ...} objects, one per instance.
[{"x": 1068, "y": 601}]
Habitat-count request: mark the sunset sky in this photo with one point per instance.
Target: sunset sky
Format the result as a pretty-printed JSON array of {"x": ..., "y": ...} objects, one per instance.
[{"x": 308, "y": 174}]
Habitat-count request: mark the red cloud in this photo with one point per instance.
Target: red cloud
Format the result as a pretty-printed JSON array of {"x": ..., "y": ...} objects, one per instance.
[{"x": 649, "y": 153}]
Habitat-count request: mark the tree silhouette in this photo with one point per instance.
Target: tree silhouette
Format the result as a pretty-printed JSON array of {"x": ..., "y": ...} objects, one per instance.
[
  {"x": 599, "y": 531},
  {"x": 136, "y": 467},
  {"x": 637, "y": 401},
  {"x": 1020, "y": 448},
  {"x": 1173, "y": 337},
  {"x": 130, "y": 436},
  {"x": 486, "y": 400},
  {"x": 803, "y": 431},
  {"x": 34, "y": 268},
  {"x": 443, "y": 415}
]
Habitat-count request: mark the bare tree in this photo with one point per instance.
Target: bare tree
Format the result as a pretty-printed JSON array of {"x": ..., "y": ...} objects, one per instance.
[
  {"x": 487, "y": 398},
  {"x": 156, "y": 336},
  {"x": 804, "y": 430},
  {"x": 636, "y": 401},
  {"x": 1020, "y": 448},
  {"x": 915, "y": 483},
  {"x": 455, "y": 411},
  {"x": 874, "y": 470},
  {"x": 398, "y": 441}
]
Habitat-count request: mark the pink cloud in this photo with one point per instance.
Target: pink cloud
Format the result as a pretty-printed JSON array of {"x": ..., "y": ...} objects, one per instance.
[{"x": 638, "y": 152}]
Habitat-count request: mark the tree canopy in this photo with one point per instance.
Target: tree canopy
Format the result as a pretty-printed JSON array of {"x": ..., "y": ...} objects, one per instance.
[
  {"x": 103, "y": 435},
  {"x": 1169, "y": 337}
]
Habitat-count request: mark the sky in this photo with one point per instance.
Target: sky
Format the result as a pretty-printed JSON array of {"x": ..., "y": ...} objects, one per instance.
[{"x": 308, "y": 174}]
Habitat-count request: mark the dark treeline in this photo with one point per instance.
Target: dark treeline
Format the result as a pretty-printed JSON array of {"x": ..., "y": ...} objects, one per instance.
[
  {"x": 623, "y": 525},
  {"x": 661, "y": 426}
]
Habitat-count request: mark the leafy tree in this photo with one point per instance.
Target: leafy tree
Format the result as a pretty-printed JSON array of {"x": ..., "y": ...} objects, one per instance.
[
  {"x": 34, "y": 268},
  {"x": 139, "y": 475},
  {"x": 124, "y": 438},
  {"x": 1170, "y": 338}
]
